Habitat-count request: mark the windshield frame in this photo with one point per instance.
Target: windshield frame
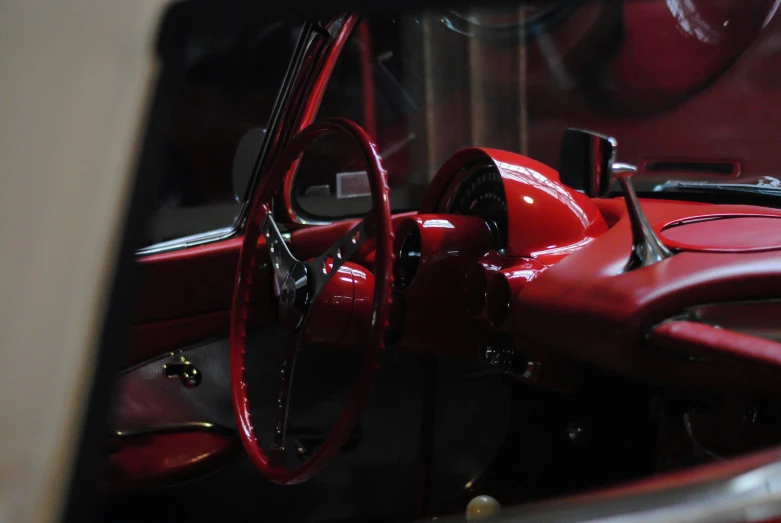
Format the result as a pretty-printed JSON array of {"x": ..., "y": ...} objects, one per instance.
[{"x": 306, "y": 56}]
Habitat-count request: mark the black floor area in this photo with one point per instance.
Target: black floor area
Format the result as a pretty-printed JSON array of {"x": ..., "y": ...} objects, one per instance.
[{"x": 378, "y": 480}]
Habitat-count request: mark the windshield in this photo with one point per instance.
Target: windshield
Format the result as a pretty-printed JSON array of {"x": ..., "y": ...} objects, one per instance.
[{"x": 686, "y": 87}]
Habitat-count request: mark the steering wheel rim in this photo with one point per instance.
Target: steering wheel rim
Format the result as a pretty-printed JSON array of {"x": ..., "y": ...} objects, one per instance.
[{"x": 376, "y": 224}]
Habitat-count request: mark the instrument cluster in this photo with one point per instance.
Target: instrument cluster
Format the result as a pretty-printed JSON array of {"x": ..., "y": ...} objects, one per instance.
[{"x": 479, "y": 191}]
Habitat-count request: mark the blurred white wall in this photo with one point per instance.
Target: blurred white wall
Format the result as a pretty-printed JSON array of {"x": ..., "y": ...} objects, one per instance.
[{"x": 74, "y": 80}]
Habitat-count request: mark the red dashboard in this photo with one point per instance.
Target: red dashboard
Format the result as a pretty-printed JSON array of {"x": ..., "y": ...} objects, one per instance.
[
  {"x": 563, "y": 262},
  {"x": 499, "y": 257}
]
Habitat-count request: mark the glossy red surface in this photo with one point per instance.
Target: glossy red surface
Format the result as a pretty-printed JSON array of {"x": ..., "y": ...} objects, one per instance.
[
  {"x": 342, "y": 313},
  {"x": 436, "y": 318},
  {"x": 444, "y": 236},
  {"x": 700, "y": 339},
  {"x": 361, "y": 316},
  {"x": 506, "y": 284},
  {"x": 493, "y": 283},
  {"x": 546, "y": 220},
  {"x": 380, "y": 228},
  {"x": 331, "y": 313},
  {"x": 724, "y": 233},
  {"x": 608, "y": 312},
  {"x": 159, "y": 459}
]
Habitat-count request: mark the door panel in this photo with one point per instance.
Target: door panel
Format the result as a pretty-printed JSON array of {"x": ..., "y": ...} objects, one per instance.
[
  {"x": 186, "y": 283},
  {"x": 152, "y": 339},
  {"x": 184, "y": 298}
]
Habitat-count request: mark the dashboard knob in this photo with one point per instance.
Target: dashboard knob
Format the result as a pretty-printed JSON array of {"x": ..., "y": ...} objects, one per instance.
[{"x": 482, "y": 508}]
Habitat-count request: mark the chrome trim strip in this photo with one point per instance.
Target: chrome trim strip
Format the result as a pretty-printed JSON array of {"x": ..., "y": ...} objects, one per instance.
[
  {"x": 174, "y": 428},
  {"x": 188, "y": 241},
  {"x": 687, "y": 423}
]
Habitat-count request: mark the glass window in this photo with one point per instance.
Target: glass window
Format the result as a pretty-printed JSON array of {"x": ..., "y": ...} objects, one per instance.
[
  {"x": 669, "y": 79},
  {"x": 217, "y": 127}
]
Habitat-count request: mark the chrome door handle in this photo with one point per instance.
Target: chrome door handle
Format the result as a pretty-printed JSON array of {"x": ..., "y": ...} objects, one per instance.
[{"x": 188, "y": 374}]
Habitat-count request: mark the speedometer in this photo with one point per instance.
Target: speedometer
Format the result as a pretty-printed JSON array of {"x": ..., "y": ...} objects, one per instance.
[{"x": 482, "y": 194}]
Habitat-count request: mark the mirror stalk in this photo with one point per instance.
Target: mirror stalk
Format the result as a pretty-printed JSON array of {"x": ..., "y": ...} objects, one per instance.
[{"x": 647, "y": 248}]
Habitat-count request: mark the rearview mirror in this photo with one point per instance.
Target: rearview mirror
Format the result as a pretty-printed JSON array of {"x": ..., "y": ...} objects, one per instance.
[{"x": 586, "y": 160}]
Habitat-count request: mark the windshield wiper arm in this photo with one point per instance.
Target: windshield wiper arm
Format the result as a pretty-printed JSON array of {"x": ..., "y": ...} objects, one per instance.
[{"x": 766, "y": 185}]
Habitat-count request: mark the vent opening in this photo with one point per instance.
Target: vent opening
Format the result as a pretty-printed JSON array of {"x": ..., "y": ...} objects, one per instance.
[{"x": 698, "y": 167}]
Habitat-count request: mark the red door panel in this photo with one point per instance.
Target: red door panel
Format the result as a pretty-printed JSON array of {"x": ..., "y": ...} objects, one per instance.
[
  {"x": 187, "y": 282},
  {"x": 183, "y": 297}
]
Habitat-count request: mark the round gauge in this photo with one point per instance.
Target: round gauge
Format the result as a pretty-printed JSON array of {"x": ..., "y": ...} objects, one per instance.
[{"x": 482, "y": 194}]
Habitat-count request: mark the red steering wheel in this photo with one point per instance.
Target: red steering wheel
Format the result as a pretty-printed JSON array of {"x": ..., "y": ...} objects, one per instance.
[{"x": 297, "y": 284}]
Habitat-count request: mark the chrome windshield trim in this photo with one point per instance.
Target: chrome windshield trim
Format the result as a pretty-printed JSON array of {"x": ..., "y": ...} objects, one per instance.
[
  {"x": 188, "y": 241},
  {"x": 309, "y": 34},
  {"x": 292, "y": 213}
]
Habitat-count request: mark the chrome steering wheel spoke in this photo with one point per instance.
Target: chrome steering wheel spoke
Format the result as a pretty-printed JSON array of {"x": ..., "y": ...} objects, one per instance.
[
  {"x": 282, "y": 260},
  {"x": 299, "y": 284},
  {"x": 276, "y": 453},
  {"x": 322, "y": 269},
  {"x": 290, "y": 278}
]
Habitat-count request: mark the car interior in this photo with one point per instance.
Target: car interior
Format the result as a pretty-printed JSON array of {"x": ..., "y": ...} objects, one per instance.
[{"x": 519, "y": 261}]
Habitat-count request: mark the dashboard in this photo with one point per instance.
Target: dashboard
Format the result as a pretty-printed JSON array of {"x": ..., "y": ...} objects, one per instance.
[
  {"x": 478, "y": 190},
  {"x": 502, "y": 254}
]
